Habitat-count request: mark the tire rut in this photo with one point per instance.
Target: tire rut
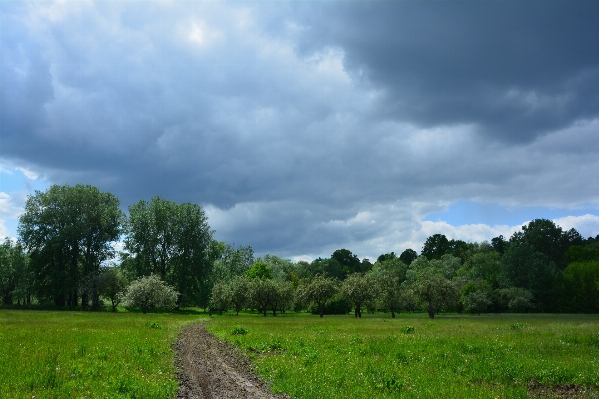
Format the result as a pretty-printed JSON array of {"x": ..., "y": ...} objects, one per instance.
[{"x": 211, "y": 369}]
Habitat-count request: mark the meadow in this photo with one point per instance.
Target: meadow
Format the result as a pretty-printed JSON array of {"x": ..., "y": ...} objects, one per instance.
[
  {"x": 67, "y": 354},
  {"x": 70, "y": 354},
  {"x": 453, "y": 356}
]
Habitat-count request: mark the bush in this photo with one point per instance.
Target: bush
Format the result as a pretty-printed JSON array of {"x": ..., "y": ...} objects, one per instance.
[
  {"x": 151, "y": 291},
  {"x": 407, "y": 329},
  {"x": 337, "y": 305}
]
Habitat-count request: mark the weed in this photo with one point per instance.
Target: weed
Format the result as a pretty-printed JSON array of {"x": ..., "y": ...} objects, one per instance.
[
  {"x": 407, "y": 329},
  {"x": 239, "y": 331}
]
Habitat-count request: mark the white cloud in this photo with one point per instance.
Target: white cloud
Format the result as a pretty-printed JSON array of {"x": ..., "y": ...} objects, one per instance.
[{"x": 586, "y": 225}]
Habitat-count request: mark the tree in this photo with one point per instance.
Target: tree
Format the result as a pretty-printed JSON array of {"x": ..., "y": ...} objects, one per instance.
[
  {"x": 68, "y": 232},
  {"x": 263, "y": 293},
  {"x": 14, "y": 276},
  {"x": 230, "y": 261},
  {"x": 173, "y": 241},
  {"x": 349, "y": 262},
  {"x": 499, "y": 244},
  {"x": 281, "y": 269},
  {"x": 259, "y": 270},
  {"x": 240, "y": 292},
  {"x": 578, "y": 253},
  {"x": 221, "y": 297},
  {"x": 545, "y": 237},
  {"x": 476, "y": 296},
  {"x": 484, "y": 265},
  {"x": 320, "y": 290},
  {"x": 408, "y": 256},
  {"x": 523, "y": 267},
  {"x": 435, "y": 290},
  {"x": 477, "y": 301},
  {"x": 581, "y": 291},
  {"x": 151, "y": 291},
  {"x": 516, "y": 298},
  {"x": 435, "y": 246},
  {"x": 112, "y": 285},
  {"x": 389, "y": 293},
  {"x": 359, "y": 290}
]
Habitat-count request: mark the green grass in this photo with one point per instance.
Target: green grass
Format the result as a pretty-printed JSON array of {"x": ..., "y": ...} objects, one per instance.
[
  {"x": 58, "y": 354},
  {"x": 450, "y": 357}
]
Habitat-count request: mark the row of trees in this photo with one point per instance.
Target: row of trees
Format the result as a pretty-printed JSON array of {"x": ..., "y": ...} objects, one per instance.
[
  {"x": 541, "y": 268},
  {"x": 66, "y": 255}
]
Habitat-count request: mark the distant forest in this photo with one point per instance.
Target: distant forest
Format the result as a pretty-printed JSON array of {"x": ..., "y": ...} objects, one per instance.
[{"x": 65, "y": 256}]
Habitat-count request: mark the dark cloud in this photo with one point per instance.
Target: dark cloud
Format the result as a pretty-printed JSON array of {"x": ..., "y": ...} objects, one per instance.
[
  {"x": 516, "y": 69},
  {"x": 306, "y": 126}
]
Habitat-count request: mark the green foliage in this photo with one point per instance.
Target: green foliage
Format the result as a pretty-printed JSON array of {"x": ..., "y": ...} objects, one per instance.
[
  {"x": 220, "y": 299},
  {"x": 516, "y": 299},
  {"x": 359, "y": 290},
  {"x": 428, "y": 281},
  {"x": 320, "y": 290},
  {"x": 239, "y": 331},
  {"x": 173, "y": 241},
  {"x": 582, "y": 293},
  {"x": 435, "y": 246},
  {"x": 56, "y": 355},
  {"x": 577, "y": 253},
  {"x": 407, "y": 329},
  {"x": 259, "y": 270},
  {"x": 112, "y": 284},
  {"x": 16, "y": 276},
  {"x": 68, "y": 232},
  {"x": 229, "y": 261},
  {"x": 336, "y": 305},
  {"x": 150, "y": 291},
  {"x": 408, "y": 256}
]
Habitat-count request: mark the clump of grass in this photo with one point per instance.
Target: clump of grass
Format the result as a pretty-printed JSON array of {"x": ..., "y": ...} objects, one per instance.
[
  {"x": 516, "y": 326},
  {"x": 407, "y": 329},
  {"x": 154, "y": 325},
  {"x": 239, "y": 331}
]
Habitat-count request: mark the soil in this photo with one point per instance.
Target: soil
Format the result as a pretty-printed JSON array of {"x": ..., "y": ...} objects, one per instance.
[
  {"x": 569, "y": 391},
  {"x": 210, "y": 369}
]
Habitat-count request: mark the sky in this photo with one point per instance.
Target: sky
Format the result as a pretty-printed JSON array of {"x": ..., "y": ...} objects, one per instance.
[{"x": 305, "y": 127}]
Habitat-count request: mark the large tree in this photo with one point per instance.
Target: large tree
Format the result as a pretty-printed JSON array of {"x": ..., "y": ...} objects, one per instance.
[
  {"x": 319, "y": 290},
  {"x": 435, "y": 246},
  {"x": 69, "y": 232},
  {"x": 359, "y": 290},
  {"x": 173, "y": 241}
]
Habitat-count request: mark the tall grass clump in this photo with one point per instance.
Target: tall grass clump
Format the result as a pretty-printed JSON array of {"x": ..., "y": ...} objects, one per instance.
[{"x": 55, "y": 355}]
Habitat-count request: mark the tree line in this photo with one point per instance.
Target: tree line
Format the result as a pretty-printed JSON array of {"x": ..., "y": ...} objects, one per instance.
[{"x": 66, "y": 255}]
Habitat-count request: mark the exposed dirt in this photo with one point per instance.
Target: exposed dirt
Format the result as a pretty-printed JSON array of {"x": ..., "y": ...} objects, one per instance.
[
  {"x": 562, "y": 391},
  {"x": 211, "y": 369}
]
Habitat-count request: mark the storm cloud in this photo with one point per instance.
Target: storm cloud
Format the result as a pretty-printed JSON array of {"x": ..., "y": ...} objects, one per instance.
[{"x": 304, "y": 127}]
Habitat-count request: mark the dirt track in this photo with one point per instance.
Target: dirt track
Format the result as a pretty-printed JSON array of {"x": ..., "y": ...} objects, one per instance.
[{"x": 211, "y": 369}]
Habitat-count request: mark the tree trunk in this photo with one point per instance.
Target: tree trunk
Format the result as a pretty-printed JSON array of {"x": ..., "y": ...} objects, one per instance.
[
  {"x": 392, "y": 314},
  {"x": 321, "y": 311},
  {"x": 431, "y": 312}
]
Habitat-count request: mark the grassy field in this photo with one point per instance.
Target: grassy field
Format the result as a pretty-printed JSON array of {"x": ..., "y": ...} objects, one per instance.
[
  {"x": 48, "y": 354},
  {"x": 63, "y": 354},
  {"x": 455, "y": 356}
]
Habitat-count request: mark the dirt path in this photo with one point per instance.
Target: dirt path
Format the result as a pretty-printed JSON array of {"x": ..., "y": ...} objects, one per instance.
[{"x": 211, "y": 369}]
